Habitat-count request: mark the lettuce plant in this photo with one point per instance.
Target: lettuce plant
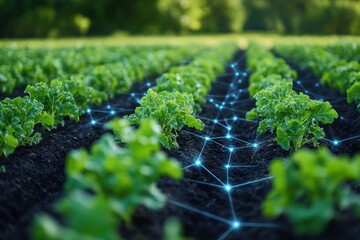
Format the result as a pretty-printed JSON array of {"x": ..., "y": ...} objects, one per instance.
[
  {"x": 311, "y": 189},
  {"x": 57, "y": 102},
  {"x": 127, "y": 176},
  {"x": 172, "y": 110},
  {"x": 294, "y": 117},
  {"x": 18, "y": 118}
]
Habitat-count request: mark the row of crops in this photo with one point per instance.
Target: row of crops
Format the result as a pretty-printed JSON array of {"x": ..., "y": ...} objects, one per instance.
[{"x": 106, "y": 184}]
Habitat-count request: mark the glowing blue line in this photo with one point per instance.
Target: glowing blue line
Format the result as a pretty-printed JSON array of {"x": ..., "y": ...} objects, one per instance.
[
  {"x": 259, "y": 225},
  {"x": 188, "y": 166},
  {"x": 204, "y": 183},
  {"x": 206, "y": 214},
  {"x": 251, "y": 182},
  {"x": 226, "y": 233},
  {"x": 231, "y": 205},
  {"x": 213, "y": 175}
]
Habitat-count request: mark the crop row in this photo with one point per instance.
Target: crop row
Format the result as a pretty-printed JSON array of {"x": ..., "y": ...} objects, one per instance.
[
  {"x": 24, "y": 66},
  {"x": 347, "y": 51},
  {"x": 333, "y": 71},
  {"x": 49, "y": 104},
  {"x": 293, "y": 116},
  {"x": 121, "y": 179},
  {"x": 179, "y": 93}
]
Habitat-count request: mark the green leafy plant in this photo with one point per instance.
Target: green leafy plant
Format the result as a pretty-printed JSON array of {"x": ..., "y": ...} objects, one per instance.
[
  {"x": 57, "y": 101},
  {"x": 18, "y": 118},
  {"x": 86, "y": 217},
  {"x": 126, "y": 175},
  {"x": 173, "y": 230},
  {"x": 294, "y": 117},
  {"x": 353, "y": 94},
  {"x": 311, "y": 189},
  {"x": 172, "y": 110}
]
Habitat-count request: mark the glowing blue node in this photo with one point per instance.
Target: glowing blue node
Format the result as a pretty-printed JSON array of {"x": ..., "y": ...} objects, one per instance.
[
  {"x": 231, "y": 85},
  {"x": 306, "y": 91},
  {"x": 236, "y": 224},
  {"x": 255, "y": 145},
  {"x": 211, "y": 100},
  {"x": 88, "y": 110},
  {"x": 235, "y": 118},
  {"x": 336, "y": 142},
  {"x": 228, "y": 188},
  {"x": 215, "y": 121},
  {"x": 231, "y": 149},
  {"x": 317, "y": 84},
  {"x": 207, "y": 138},
  {"x": 93, "y": 122},
  {"x": 232, "y": 65},
  {"x": 137, "y": 100},
  {"x": 227, "y": 166},
  {"x": 198, "y": 162},
  {"x": 240, "y": 81},
  {"x": 132, "y": 94},
  {"x": 229, "y": 128},
  {"x": 108, "y": 107},
  {"x": 221, "y": 107},
  {"x": 342, "y": 118},
  {"x": 298, "y": 82},
  {"x": 228, "y": 136},
  {"x": 245, "y": 74},
  {"x": 112, "y": 112},
  {"x": 241, "y": 90},
  {"x": 148, "y": 84},
  {"x": 237, "y": 74}
]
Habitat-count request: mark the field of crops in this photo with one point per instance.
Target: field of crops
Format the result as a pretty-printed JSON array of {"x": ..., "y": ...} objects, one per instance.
[{"x": 167, "y": 141}]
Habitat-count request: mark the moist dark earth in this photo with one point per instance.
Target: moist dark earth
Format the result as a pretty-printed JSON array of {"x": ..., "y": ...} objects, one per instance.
[{"x": 34, "y": 175}]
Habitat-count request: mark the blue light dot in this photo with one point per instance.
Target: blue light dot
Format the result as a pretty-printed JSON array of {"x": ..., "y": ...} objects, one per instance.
[
  {"x": 198, "y": 162},
  {"x": 240, "y": 81},
  {"x": 237, "y": 74},
  {"x": 245, "y": 74},
  {"x": 211, "y": 100},
  {"x": 342, "y": 118},
  {"x": 336, "y": 142},
  {"x": 227, "y": 166},
  {"x": 132, "y": 94},
  {"x": 306, "y": 91},
  {"x": 232, "y": 65},
  {"x": 235, "y": 118},
  {"x": 317, "y": 84},
  {"x": 231, "y": 85},
  {"x": 88, "y": 110},
  {"x": 228, "y": 136},
  {"x": 228, "y": 188},
  {"x": 255, "y": 145},
  {"x": 148, "y": 84},
  {"x": 108, "y": 107},
  {"x": 221, "y": 107},
  {"x": 229, "y": 128},
  {"x": 231, "y": 149},
  {"x": 215, "y": 121},
  {"x": 207, "y": 138},
  {"x": 93, "y": 122},
  {"x": 112, "y": 112},
  {"x": 298, "y": 82},
  {"x": 236, "y": 224}
]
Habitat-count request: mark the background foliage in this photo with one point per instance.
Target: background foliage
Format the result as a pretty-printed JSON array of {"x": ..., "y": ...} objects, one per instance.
[{"x": 52, "y": 18}]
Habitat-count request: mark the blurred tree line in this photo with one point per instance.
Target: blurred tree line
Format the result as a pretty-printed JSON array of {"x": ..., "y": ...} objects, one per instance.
[{"x": 52, "y": 18}]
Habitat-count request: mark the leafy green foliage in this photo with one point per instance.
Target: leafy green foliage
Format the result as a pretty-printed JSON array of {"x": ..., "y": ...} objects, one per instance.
[
  {"x": 87, "y": 217},
  {"x": 294, "y": 117},
  {"x": 353, "y": 94},
  {"x": 110, "y": 181},
  {"x": 334, "y": 72},
  {"x": 172, "y": 110},
  {"x": 173, "y": 230},
  {"x": 2, "y": 169},
  {"x": 126, "y": 175},
  {"x": 57, "y": 101},
  {"x": 310, "y": 189},
  {"x": 18, "y": 118}
]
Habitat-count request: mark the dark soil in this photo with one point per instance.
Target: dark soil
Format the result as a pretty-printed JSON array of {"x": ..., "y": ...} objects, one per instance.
[{"x": 35, "y": 175}]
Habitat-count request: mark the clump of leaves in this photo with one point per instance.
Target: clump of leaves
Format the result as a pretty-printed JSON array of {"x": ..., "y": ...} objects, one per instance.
[
  {"x": 172, "y": 110},
  {"x": 310, "y": 189},
  {"x": 126, "y": 175},
  {"x": 353, "y": 94},
  {"x": 57, "y": 101},
  {"x": 173, "y": 230},
  {"x": 18, "y": 118},
  {"x": 86, "y": 217},
  {"x": 294, "y": 117}
]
